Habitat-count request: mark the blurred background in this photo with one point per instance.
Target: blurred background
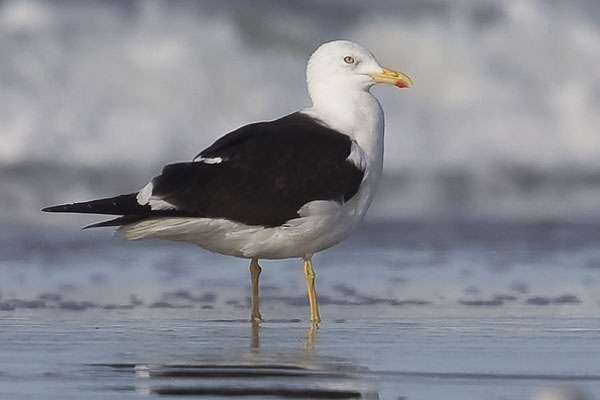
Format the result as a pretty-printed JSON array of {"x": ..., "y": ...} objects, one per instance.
[
  {"x": 503, "y": 122},
  {"x": 482, "y": 277}
]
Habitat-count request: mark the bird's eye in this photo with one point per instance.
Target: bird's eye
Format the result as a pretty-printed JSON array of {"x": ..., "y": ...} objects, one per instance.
[{"x": 349, "y": 60}]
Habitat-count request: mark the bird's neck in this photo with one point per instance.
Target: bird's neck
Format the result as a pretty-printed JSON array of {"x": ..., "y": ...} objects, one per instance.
[{"x": 355, "y": 113}]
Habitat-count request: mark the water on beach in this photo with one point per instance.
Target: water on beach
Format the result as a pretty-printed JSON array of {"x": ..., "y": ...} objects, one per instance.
[{"x": 411, "y": 310}]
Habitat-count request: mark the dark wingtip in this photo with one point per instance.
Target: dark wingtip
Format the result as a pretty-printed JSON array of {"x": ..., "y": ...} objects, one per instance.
[
  {"x": 53, "y": 209},
  {"x": 59, "y": 208},
  {"x": 127, "y": 219},
  {"x": 118, "y": 205}
]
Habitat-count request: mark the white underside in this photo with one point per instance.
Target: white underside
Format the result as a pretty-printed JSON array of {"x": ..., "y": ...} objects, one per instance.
[{"x": 321, "y": 224}]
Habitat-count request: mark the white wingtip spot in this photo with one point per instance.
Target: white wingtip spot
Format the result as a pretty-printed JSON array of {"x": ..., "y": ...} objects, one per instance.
[
  {"x": 208, "y": 160},
  {"x": 157, "y": 204},
  {"x": 144, "y": 194},
  {"x": 144, "y": 197}
]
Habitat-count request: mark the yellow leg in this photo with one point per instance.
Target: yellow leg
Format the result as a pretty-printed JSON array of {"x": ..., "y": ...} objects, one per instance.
[
  {"x": 309, "y": 275},
  {"x": 255, "y": 270}
]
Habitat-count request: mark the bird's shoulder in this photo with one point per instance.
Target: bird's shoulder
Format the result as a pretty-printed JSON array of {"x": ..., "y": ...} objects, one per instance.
[{"x": 296, "y": 133}]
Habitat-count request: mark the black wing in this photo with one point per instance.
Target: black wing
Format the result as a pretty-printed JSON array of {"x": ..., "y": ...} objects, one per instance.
[
  {"x": 259, "y": 174},
  {"x": 268, "y": 171}
]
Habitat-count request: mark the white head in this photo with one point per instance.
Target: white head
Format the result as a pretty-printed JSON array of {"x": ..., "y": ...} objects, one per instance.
[{"x": 342, "y": 66}]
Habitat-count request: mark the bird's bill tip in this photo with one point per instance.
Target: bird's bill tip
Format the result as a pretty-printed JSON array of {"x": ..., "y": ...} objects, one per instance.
[{"x": 392, "y": 77}]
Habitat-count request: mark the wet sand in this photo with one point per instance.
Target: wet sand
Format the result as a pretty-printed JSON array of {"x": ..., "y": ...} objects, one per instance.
[{"x": 410, "y": 312}]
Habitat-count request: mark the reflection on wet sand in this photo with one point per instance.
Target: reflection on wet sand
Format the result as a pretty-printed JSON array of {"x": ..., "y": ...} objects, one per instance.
[
  {"x": 255, "y": 342},
  {"x": 309, "y": 342},
  {"x": 298, "y": 374}
]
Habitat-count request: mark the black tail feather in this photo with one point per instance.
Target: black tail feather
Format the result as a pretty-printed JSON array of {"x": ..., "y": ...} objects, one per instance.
[
  {"x": 128, "y": 219},
  {"x": 120, "y": 205}
]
